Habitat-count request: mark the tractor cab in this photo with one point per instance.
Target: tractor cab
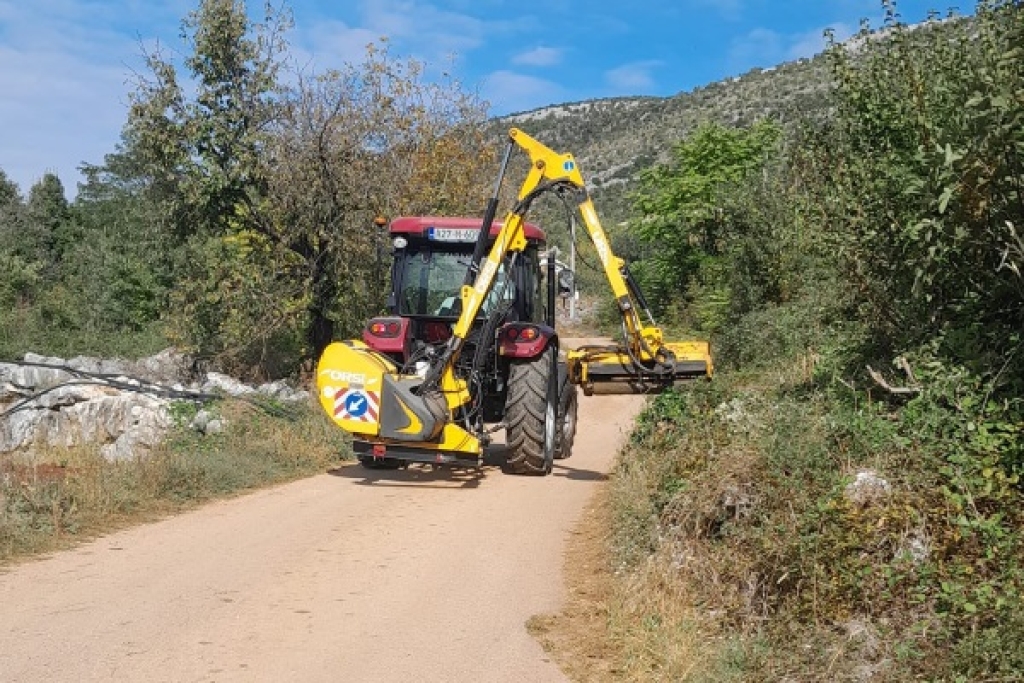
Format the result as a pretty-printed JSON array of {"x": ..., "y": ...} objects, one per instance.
[{"x": 431, "y": 258}]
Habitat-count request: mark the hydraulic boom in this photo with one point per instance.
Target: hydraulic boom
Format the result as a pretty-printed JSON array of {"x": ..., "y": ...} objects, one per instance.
[{"x": 644, "y": 359}]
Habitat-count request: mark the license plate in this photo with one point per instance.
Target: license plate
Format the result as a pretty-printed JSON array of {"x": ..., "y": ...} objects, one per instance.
[{"x": 451, "y": 235}]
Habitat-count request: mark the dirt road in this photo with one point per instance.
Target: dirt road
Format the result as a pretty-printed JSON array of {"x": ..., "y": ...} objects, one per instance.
[{"x": 361, "y": 576}]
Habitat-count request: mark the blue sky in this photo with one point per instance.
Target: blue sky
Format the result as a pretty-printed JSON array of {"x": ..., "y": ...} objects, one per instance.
[{"x": 66, "y": 65}]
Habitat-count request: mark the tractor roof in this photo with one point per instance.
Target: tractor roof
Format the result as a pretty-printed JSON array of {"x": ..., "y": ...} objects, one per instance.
[{"x": 422, "y": 226}]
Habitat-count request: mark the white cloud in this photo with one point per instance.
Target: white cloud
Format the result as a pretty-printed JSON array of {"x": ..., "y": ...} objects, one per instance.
[
  {"x": 539, "y": 56},
  {"x": 329, "y": 44},
  {"x": 812, "y": 42},
  {"x": 510, "y": 92},
  {"x": 64, "y": 84},
  {"x": 634, "y": 78},
  {"x": 425, "y": 31},
  {"x": 423, "y": 27}
]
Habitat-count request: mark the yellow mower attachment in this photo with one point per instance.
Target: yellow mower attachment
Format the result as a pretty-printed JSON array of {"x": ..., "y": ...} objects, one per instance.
[
  {"x": 364, "y": 394},
  {"x": 645, "y": 361},
  {"x": 615, "y": 364}
]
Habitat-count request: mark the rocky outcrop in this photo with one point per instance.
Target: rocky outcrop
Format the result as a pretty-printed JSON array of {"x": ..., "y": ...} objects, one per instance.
[
  {"x": 867, "y": 488},
  {"x": 124, "y": 406}
]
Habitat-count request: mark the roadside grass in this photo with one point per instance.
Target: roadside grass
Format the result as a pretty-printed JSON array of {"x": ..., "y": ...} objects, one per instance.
[
  {"x": 59, "y": 497},
  {"x": 577, "y": 636},
  {"x": 729, "y": 549},
  {"x": 736, "y": 555}
]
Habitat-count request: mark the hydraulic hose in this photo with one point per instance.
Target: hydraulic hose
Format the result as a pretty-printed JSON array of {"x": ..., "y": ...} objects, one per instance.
[{"x": 480, "y": 248}]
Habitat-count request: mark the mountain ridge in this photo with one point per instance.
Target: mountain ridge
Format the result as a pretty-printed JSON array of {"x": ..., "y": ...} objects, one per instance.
[
  {"x": 613, "y": 147},
  {"x": 616, "y": 138}
]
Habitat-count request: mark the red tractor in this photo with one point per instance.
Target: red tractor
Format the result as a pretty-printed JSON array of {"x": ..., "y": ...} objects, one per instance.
[{"x": 508, "y": 354}]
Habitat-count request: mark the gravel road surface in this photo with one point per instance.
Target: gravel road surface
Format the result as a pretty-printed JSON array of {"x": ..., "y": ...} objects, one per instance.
[{"x": 357, "y": 575}]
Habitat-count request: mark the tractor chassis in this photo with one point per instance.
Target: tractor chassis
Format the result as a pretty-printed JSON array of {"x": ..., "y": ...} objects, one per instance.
[{"x": 368, "y": 451}]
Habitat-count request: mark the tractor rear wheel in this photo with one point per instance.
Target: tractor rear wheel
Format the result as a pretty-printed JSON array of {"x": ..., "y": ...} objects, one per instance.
[
  {"x": 567, "y": 415},
  {"x": 530, "y": 417}
]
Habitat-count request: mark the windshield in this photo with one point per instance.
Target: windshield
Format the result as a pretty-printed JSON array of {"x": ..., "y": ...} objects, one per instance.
[{"x": 431, "y": 282}]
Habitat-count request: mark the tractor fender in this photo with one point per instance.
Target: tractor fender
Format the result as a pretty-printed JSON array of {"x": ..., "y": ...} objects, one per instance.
[{"x": 522, "y": 341}]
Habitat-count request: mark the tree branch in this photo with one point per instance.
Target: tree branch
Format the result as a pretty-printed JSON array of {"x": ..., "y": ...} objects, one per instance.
[{"x": 897, "y": 391}]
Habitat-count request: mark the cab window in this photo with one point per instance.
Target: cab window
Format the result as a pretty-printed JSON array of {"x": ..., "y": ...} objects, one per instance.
[{"x": 432, "y": 280}]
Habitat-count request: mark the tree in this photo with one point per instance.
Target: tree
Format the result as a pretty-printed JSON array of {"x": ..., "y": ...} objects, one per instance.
[
  {"x": 19, "y": 275},
  {"x": 923, "y": 176},
  {"x": 9, "y": 192},
  {"x": 202, "y": 156},
  {"x": 123, "y": 266},
  {"x": 357, "y": 142},
  {"x": 685, "y": 218},
  {"x": 208, "y": 147},
  {"x": 49, "y": 230},
  {"x": 12, "y": 210},
  {"x": 271, "y": 190}
]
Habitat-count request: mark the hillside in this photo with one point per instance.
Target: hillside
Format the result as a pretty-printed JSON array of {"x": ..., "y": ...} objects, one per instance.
[{"x": 614, "y": 139}]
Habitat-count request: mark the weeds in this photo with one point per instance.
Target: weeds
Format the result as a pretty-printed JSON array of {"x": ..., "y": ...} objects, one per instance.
[
  {"x": 64, "y": 496},
  {"x": 732, "y": 524}
]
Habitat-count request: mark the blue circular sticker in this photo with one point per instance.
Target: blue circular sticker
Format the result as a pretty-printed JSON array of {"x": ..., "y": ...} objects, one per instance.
[{"x": 356, "y": 404}]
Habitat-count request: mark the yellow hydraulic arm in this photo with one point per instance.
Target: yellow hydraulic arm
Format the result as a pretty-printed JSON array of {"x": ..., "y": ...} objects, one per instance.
[{"x": 644, "y": 360}]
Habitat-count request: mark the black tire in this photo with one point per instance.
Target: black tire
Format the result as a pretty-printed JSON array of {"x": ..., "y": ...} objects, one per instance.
[
  {"x": 371, "y": 463},
  {"x": 567, "y": 415},
  {"x": 527, "y": 415}
]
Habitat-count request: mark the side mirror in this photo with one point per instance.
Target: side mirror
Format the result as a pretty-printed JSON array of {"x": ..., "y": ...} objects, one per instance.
[{"x": 566, "y": 283}]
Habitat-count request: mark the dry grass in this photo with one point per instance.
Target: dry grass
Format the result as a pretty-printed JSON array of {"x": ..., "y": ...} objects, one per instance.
[
  {"x": 679, "y": 591},
  {"x": 59, "y": 497},
  {"x": 680, "y": 580},
  {"x": 622, "y": 625},
  {"x": 577, "y": 637},
  {"x": 661, "y": 633}
]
